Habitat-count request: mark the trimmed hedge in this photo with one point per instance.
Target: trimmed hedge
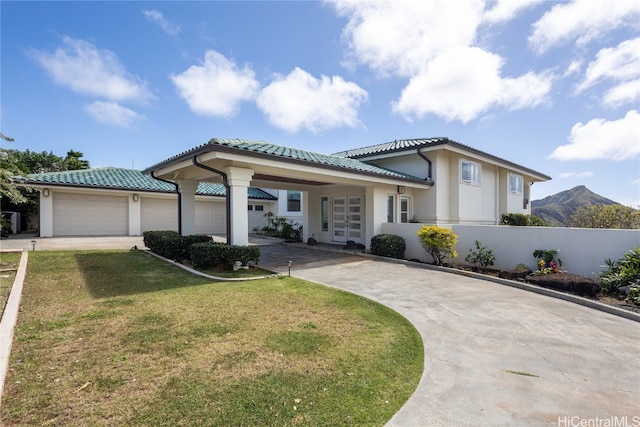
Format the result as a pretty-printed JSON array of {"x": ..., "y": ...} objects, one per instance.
[
  {"x": 388, "y": 245},
  {"x": 172, "y": 245},
  {"x": 211, "y": 254}
]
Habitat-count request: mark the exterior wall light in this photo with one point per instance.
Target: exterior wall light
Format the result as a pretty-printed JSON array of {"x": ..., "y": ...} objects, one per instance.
[
  {"x": 401, "y": 189},
  {"x": 135, "y": 197},
  {"x": 45, "y": 192}
]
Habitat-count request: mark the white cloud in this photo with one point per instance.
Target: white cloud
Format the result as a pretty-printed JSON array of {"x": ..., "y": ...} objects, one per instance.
[
  {"x": 111, "y": 113},
  {"x": 584, "y": 174},
  {"x": 158, "y": 18},
  {"x": 399, "y": 37},
  {"x": 300, "y": 101},
  {"x": 453, "y": 90},
  {"x": 573, "y": 68},
  {"x": 583, "y": 20},
  {"x": 504, "y": 10},
  {"x": 217, "y": 87},
  {"x": 432, "y": 44},
  {"x": 620, "y": 64},
  {"x": 603, "y": 139},
  {"x": 85, "y": 69}
]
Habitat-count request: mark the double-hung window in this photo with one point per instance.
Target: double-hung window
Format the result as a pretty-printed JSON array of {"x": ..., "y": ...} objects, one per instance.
[
  {"x": 293, "y": 201},
  {"x": 515, "y": 184},
  {"x": 470, "y": 172}
]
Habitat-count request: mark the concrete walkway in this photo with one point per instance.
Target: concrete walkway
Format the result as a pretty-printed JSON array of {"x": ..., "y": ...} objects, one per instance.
[{"x": 494, "y": 355}]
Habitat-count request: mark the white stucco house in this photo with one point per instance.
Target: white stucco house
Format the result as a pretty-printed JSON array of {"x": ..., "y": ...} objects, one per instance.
[{"x": 225, "y": 186}]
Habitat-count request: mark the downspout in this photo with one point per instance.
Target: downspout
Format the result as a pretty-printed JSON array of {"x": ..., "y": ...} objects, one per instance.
[
  {"x": 428, "y": 180},
  {"x": 153, "y": 175},
  {"x": 225, "y": 182}
]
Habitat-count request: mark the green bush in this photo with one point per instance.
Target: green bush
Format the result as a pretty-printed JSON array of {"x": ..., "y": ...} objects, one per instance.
[
  {"x": 481, "y": 256},
  {"x": 623, "y": 272},
  {"x": 439, "y": 242},
  {"x": 283, "y": 228},
  {"x": 388, "y": 245},
  {"x": 211, "y": 254},
  {"x": 171, "y": 245},
  {"x": 521, "y": 220}
]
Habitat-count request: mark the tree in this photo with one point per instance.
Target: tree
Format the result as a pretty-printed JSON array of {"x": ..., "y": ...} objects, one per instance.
[
  {"x": 73, "y": 161},
  {"x": 605, "y": 216},
  {"x": 8, "y": 188}
]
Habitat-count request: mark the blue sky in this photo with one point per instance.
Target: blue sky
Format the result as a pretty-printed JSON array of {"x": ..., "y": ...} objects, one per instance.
[{"x": 554, "y": 86}]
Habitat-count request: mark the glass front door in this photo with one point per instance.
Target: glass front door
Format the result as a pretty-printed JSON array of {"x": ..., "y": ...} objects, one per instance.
[{"x": 347, "y": 219}]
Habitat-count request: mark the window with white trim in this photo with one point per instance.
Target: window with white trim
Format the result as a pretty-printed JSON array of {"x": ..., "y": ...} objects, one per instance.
[
  {"x": 324, "y": 213},
  {"x": 391, "y": 208},
  {"x": 293, "y": 201},
  {"x": 515, "y": 183},
  {"x": 470, "y": 172},
  {"x": 405, "y": 209}
]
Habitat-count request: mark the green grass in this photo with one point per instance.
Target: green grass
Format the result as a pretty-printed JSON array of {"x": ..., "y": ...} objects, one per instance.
[
  {"x": 9, "y": 262},
  {"x": 121, "y": 338}
]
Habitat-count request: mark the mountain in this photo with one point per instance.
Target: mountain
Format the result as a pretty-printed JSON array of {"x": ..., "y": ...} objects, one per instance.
[{"x": 556, "y": 209}]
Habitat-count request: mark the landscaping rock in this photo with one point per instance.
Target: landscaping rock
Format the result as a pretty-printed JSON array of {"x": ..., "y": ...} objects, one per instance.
[
  {"x": 514, "y": 274},
  {"x": 566, "y": 282}
]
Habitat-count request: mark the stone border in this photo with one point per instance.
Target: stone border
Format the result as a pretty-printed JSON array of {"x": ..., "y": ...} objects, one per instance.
[{"x": 10, "y": 317}]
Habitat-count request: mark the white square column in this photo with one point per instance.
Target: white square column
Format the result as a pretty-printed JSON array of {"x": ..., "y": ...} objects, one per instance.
[
  {"x": 46, "y": 212},
  {"x": 238, "y": 180},
  {"x": 187, "y": 196}
]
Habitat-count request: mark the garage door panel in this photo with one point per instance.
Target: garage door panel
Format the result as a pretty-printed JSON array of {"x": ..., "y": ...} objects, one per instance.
[
  {"x": 90, "y": 215},
  {"x": 210, "y": 217},
  {"x": 159, "y": 214}
]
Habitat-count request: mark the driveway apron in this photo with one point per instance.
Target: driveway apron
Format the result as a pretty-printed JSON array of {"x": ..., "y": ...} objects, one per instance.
[{"x": 495, "y": 355}]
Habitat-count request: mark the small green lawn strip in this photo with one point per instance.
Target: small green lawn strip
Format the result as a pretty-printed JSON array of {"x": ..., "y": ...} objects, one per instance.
[
  {"x": 122, "y": 338},
  {"x": 9, "y": 262}
]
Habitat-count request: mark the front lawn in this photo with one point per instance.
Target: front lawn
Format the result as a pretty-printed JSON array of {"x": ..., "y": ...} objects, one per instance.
[
  {"x": 9, "y": 262},
  {"x": 121, "y": 338}
]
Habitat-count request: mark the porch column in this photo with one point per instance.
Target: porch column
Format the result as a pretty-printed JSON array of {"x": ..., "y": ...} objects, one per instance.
[
  {"x": 306, "y": 229},
  {"x": 238, "y": 180},
  {"x": 187, "y": 196}
]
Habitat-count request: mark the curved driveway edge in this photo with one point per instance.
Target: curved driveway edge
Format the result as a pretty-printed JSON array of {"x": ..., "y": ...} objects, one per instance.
[
  {"x": 495, "y": 355},
  {"x": 9, "y": 318}
]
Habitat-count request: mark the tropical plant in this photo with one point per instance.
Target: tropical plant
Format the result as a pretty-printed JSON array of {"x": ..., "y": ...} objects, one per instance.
[
  {"x": 281, "y": 227},
  {"x": 439, "y": 242},
  {"x": 481, "y": 256},
  {"x": 521, "y": 220},
  {"x": 546, "y": 261},
  {"x": 622, "y": 272}
]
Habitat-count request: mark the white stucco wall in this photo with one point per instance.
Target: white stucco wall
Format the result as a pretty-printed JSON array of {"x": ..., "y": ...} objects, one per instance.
[{"x": 582, "y": 250}]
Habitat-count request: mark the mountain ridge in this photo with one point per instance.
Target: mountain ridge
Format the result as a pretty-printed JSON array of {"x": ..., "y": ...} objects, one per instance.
[{"x": 558, "y": 208}]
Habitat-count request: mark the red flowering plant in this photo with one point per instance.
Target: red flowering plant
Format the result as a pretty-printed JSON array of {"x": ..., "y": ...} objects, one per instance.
[{"x": 546, "y": 262}]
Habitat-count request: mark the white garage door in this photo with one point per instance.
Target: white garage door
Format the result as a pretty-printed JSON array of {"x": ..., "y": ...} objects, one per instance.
[
  {"x": 90, "y": 215},
  {"x": 159, "y": 214},
  {"x": 211, "y": 218}
]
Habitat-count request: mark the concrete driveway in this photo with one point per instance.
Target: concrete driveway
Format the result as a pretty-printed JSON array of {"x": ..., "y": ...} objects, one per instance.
[{"x": 494, "y": 355}]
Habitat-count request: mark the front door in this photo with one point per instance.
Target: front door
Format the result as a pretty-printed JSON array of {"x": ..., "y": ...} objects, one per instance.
[{"x": 347, "y": 219}]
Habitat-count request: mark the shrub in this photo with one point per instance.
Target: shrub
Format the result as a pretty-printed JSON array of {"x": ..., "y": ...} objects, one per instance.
[
  {"x": 388, "y": 245},
  {"x": 439, "y": 242},
  {"x": 171, "y": 245},
  {"x": 211, "y": 254},
  {"x": 481, "y": 256},
  {"x": 634, "y": 295},
  {"x": 521, "y": 220},
  {"x": 283, "y": 228},
  {"x": 623, "y": 272}
]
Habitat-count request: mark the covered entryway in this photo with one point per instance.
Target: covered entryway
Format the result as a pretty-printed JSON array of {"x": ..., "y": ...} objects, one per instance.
[{"x": 90, "y": 215}]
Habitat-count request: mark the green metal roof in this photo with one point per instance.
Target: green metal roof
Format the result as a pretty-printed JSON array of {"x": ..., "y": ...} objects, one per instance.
[
  {"x": 126, "y": 179},
  {"x": 263, "y": 149},
  {"x": 418, "y": 143}
]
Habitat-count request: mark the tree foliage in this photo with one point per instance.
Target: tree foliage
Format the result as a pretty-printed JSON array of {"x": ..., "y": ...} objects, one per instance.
[
  {"x": 605, "y": 216},
  {"x": 439, "y": 242},
  {"x": 8, "y": 169},
  {"x": 522, "y": 220}
]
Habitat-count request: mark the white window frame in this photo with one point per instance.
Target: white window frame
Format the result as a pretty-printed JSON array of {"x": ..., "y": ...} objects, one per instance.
[
  {"x": 325, "y": 212},
  {"x": 518, "y": 181},
  {"x": 391, "y": 208},
  {"x": 408, "y": 212},
  {"x": 293, "y": 200},
  {"x": 475, "y": 168}
]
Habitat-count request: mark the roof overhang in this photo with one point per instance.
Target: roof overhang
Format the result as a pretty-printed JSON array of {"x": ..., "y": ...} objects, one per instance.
[{"x": 270, "y": 171}]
